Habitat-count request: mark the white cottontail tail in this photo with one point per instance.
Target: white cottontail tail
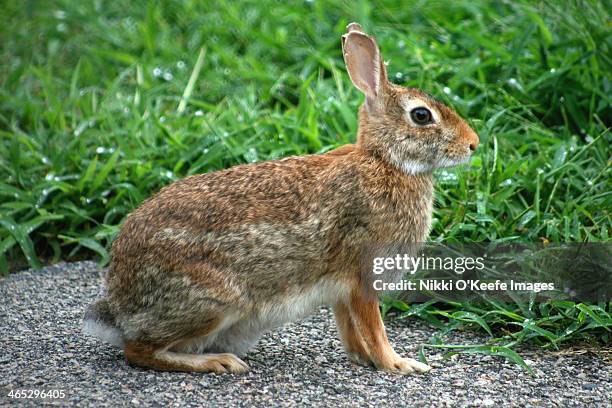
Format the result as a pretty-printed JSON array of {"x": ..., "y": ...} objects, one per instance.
[{"x": 200, "y": 270}]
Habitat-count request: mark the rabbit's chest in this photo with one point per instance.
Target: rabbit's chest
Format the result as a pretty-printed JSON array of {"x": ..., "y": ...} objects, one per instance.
[{"x": 402, "y": 222}]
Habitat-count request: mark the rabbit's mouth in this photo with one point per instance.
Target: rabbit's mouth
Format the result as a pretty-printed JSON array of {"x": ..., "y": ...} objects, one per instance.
[{"x": 446, "y": 162}]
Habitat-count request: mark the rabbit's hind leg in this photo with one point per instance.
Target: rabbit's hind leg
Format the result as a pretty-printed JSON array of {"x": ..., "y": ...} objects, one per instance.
[
  {"x": 162, "y": 357},
  {"x": 189, "y": 306}
]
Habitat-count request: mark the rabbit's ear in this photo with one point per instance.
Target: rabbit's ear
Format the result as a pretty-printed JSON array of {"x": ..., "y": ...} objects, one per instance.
[{"x": 364, "y": 62}]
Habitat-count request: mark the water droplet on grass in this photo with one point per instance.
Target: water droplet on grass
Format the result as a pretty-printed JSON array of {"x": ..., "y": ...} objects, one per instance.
[
  {"x": 447, "y": 176},
  {"x": 180, "y": 65},
  {"x": 515, "y": 84},
  {"x": 446, "y": 90},
  {"x": 251, "y": 155},
  {"x": 168, "y": 76},
  {"x": 199, "y": 113},
  {"x": 157, "y": 72},
  {"x": 102, "y": 150},
  {"x": 81, "y": 128}
]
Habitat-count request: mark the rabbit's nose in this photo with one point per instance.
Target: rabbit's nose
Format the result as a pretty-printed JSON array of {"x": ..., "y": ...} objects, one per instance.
[
  {"x": 468, "y": 136},
  {"x": 472, "y": 139}
]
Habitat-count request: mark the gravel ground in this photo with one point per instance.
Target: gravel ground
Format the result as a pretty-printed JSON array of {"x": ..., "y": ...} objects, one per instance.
[{"x": 42, "y": 348}]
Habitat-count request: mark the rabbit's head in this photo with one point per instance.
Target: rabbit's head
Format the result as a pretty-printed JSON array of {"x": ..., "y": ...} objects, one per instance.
[{"x": 405, "y": 126}]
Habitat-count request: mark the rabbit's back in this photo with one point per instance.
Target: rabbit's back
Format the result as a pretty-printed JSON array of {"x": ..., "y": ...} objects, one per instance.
[{"x": 259, "y": 225}]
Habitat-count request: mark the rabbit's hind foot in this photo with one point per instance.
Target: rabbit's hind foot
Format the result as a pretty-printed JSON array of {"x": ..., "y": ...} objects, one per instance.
[{"x": 160, "y": 358}]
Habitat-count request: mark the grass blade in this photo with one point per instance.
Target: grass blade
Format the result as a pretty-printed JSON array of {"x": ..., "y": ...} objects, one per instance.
[
  {"x": 192, "y": 80},
  {"x": 21, "y": 236}
]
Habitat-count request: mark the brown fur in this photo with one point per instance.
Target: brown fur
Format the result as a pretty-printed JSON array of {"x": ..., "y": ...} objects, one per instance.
[
  {"x": 354, "y": 344},
  {"x": 245, "y": 249},
  {"x": 145, "y": 355}
]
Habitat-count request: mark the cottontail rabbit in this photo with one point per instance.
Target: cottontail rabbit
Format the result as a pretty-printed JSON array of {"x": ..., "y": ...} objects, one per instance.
[{"x": 203, "y": 268}]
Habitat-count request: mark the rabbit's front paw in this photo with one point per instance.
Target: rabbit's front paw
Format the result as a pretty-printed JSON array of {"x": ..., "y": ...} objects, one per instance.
[{"x": 400, "y": 365}]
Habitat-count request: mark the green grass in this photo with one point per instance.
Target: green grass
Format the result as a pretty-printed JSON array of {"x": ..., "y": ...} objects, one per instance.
[
  {"x": 101, "y": 104},
  {"x": 550, "y": 325}
]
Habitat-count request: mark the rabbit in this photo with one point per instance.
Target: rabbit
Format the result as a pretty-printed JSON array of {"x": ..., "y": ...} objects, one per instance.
[{"x": 211, "y": 262}]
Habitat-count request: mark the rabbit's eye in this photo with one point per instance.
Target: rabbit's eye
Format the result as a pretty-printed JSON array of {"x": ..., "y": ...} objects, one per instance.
[{"x": 421, "y": 116}]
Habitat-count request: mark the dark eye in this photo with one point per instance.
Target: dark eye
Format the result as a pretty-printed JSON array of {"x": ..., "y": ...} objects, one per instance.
[{"x": 421, "y": 116}]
